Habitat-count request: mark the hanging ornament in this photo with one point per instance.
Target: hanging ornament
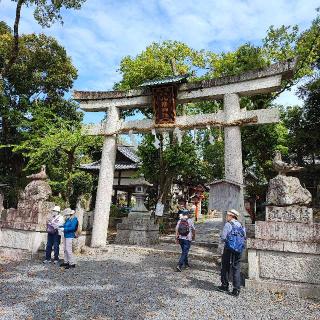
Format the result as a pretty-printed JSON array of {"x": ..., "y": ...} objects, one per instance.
[
  {"x": 156, "y": 140},
  {"x": 178, "y": 134},
  {"x": 195, "y": 135},
  {"x": 166, "y": 139},
  {"x": 220, "y": 135},
  {"x": 211, "y": 138},
  {"x": 133, "y": 140}
]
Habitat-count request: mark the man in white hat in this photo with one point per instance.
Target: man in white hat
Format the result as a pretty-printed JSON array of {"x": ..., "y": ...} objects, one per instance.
[
  {"x": 69, "y": 230},
  {"x": 54, "y": 238},
  {"x": 233, "y": 235}
]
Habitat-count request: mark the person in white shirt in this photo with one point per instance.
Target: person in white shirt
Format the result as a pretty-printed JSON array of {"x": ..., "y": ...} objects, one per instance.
[{"x": 54, "y": 237}]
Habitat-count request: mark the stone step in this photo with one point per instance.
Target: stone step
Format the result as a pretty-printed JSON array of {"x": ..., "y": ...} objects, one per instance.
[
  {"x": 211, "y": 244},
  {"x": 213, "y": 257}
]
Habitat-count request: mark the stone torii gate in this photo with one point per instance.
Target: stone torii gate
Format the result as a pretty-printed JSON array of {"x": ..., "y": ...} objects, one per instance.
[{"x": 230, "y": 89}]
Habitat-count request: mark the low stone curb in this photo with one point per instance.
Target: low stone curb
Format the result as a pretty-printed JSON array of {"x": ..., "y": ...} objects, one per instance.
[{"x": 145, "y": 250}]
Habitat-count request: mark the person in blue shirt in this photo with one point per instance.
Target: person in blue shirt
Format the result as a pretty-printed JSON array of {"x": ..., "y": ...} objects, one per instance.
[
  {"x": 230, "y": 261},
  {"x": 69, "y": 231}
]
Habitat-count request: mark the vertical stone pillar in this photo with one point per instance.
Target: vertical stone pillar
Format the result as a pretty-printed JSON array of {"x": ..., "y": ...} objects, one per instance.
[
  {"x": 232, "y": 141},
  {"x": 105, "y": 184},
  {"x": 232, "y": 145}
]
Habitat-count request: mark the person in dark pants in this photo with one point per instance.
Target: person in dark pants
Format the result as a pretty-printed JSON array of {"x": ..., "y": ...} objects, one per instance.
[
  {"x": 185, "y": 233},
  {"x": 54, "y": 238},
  {"x": 230, "y": 262}
]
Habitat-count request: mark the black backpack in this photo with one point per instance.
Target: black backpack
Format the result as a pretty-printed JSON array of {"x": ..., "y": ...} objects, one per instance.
[{"x": 183, "y": 228}]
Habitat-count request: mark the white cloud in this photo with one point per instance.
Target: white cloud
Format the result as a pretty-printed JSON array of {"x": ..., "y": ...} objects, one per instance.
[{"x": 102, "y": 32}]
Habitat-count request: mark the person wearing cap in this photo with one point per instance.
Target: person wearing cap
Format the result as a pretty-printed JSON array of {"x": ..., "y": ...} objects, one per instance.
[
  {"x": 230, "y": 261},
  {"x": 53, "y": 239},
  {"x": 69, "y": 230},
  {"x": 185, "y": 233}
]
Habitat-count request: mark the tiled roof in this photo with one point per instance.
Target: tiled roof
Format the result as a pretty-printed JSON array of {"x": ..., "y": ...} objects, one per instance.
[
  {"x": 128, "y": 152},
  {"x": 118, "y": 166},
  {"x": 167, "y": 80}
]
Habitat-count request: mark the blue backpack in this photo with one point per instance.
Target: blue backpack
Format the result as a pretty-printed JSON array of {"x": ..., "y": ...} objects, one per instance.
[{"x": 235, "y": 240}]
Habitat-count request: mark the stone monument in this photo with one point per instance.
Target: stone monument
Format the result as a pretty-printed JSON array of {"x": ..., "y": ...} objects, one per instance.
[
  {"x": 23, "y": 230},
  {"x": 285, "y": 253},
  {"x": 139, "y": 227}
]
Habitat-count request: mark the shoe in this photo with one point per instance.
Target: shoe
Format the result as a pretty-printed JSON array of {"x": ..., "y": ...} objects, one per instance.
[
  {"x": 56, "y": 261},
  {"x": 187, "y": 266},
  {"x": 46, "y": 261},
  {"x": 64, "y": 264},
  {"x": 235, "y": 292},
  {"x": 223, "y": 288},
  {"x": 69, "y": 266},
  {"x": 179, "y": 268}
]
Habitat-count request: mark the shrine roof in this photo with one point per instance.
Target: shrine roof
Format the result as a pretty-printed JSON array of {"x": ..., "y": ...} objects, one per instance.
[
  {"x": 284, "y": 68},
  {"x": 167, "y": 80},
  {"x": 118, "y": 166},
  {"x": 130, "y": 160}
]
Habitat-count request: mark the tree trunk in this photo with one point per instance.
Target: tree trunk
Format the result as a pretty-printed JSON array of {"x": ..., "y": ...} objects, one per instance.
[{"x": 15, "y": 46}]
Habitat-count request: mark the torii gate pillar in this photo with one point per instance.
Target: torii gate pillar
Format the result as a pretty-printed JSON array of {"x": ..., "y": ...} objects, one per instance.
[
  {"x": 232, "y": 145},
  {"x": 105, "y": 184}
]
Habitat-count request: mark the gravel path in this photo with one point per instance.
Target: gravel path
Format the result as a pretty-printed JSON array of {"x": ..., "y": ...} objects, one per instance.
[{"x": 129, "y": 284}]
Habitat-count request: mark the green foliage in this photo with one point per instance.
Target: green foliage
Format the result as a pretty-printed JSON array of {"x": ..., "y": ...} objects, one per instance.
[
  {"x": 47, "y": 12},
  {"x": 159, "y": 60}
]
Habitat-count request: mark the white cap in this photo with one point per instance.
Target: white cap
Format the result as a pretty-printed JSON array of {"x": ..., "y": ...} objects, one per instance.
[
  {"x": 68, "y": 212},
  {"x": 233, "y": 212},
  {"x": 56, "y": 208}
]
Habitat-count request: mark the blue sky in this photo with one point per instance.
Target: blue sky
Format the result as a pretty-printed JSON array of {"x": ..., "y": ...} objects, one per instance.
[{"x": 99, "y": 35}]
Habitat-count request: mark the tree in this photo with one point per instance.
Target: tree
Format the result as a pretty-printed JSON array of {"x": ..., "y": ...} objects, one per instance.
[
  {"x": 46, "y": 13},
  {"x": 61, "y": 145},
  {"x": 36, "y": 120}
]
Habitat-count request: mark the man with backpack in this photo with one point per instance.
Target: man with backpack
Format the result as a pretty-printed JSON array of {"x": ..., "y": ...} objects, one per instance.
[
  {"x": 185, "y": 233},
  {"x": 234, "y": 236},
  {"x": 54, "y": 238}
]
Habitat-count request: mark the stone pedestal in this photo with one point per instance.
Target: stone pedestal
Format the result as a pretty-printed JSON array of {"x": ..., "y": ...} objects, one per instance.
[
  {"x": 285, "y": 253},
  {"x": 138, "y": 228},
  {"x": 23, "y": 230},
  {"x": 285, "y": 257}
]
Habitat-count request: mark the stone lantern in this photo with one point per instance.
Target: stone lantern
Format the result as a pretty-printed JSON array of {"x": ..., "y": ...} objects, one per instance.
[
  {"x": 139, "y": 227},
  {"x": 140, "y": 188}
]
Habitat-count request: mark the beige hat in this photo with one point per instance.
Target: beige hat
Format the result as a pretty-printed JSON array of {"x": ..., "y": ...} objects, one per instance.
[
  {"x": 56, "y": 208},
  {"x": 234, "y": 213},
  {"x": 68, "y": 212}
]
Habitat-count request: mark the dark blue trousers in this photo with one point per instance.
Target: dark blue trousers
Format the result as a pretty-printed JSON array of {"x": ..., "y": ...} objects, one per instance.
[
  {"x": 53, "y": 241},
  {"x": 185, "y": 247},
  {"x": 230, "y": 264}
]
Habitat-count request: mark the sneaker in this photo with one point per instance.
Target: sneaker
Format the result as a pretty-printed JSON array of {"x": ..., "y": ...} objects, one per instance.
[
  {"x": 223, "y": 289},
  {"x": 187, "y": 266},
  {"x": 69, "y": 266},
  {"x": 46, "y": 261},
  {"x": 56, "y": 261},
  {"x": 64, "y": 264},
  {"x": 179, "y": 268},
  {"x": 235, "y": 292}
]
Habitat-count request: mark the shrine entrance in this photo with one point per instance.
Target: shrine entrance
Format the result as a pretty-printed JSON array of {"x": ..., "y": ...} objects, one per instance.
[{"x": 164, "y": 95}]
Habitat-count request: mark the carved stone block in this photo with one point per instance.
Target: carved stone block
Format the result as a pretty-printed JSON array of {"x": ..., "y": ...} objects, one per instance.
[{"x": 292, "y": 213}]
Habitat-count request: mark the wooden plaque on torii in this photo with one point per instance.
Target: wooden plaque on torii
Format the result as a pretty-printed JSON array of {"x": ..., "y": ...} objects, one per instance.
[{"x": 164, "y": 104}]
